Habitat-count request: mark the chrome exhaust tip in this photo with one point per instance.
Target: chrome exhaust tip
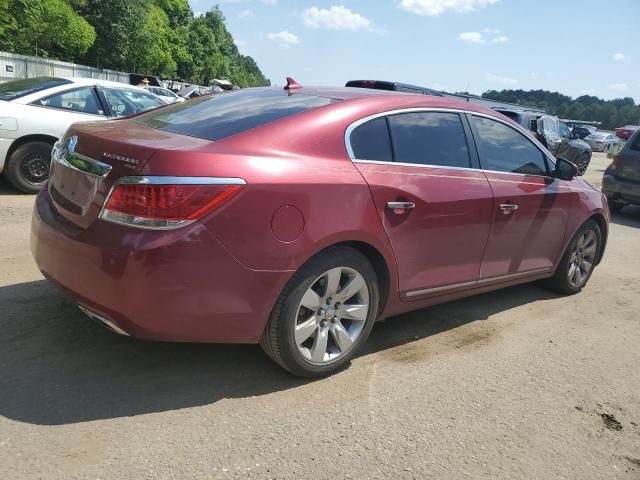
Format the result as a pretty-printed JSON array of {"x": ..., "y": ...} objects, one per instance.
[{"x": 102, "y": 321}]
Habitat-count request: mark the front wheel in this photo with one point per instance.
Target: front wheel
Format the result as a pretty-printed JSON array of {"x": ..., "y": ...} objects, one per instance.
[
  {"x": 578, "y": 261},
  {"x": 583, "y": 163},
  {"x": 324, "y": 314}
]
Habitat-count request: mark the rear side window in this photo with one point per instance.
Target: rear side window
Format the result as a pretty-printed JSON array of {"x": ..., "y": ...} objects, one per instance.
[
  {"x": 634, "y": 142},
  {"x": 220, "y": 116},
  {"x": 504, "y": 149},
  {"x": 370, "y": 141},
  {"x": 79, "y": 100},
  {"x": 22, "y": 88},
  {"x": 429, "y": 138}
]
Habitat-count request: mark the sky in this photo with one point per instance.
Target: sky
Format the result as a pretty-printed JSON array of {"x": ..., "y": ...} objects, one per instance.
[{"x": 574, "y": 47}]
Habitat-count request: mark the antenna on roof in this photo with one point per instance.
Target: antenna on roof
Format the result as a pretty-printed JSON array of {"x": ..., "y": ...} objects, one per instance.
[{"x": 292, "y": 84}]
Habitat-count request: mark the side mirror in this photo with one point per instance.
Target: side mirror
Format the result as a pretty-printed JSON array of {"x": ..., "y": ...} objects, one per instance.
[{"x": 565, "y": 170}]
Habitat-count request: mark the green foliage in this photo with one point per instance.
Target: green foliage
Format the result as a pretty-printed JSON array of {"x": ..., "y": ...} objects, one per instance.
[
  {"x": 49, "y": 28},
  {"x": 155, "y": 37},
  {"x": 612, "y": 113}
]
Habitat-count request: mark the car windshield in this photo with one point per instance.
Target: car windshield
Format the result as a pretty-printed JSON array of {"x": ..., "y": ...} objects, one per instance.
[
  {"x": 124, "y": 101},
  {"x": 218, "y": 117},
  {"x": 21, "y": 88}
]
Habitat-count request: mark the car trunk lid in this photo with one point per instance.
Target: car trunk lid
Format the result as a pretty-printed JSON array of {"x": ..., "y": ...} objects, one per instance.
[{"x": 92, "y": 156}]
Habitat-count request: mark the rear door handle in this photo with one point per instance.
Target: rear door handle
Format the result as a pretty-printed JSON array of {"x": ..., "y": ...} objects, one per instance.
[
  {"x": 400, "y": 205},
  {"x": 508, "y": 207}
]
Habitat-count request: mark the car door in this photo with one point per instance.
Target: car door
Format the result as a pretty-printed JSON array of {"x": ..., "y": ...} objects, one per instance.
[
  {"x": 531, "y": 208},
  {"x": 436, "y": 207}
]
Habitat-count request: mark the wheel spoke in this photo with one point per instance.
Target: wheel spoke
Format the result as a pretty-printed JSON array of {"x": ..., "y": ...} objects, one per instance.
[
  {"x": 310, "y": 300},
  {"x": 319, "y": 348},
  {"x": 305, "y": 330},
  {"x": 341, "y": 337},
  {"x": 572, "y": 271},
  {"x": 590, "y": 249},
  {"x": 355, "y": 312},
  {"x": 333, "y": 281},
  {"x": 352, "y": 287},
  {"x": 576, "y": 275},
  {"x": 585, "y": 266}
]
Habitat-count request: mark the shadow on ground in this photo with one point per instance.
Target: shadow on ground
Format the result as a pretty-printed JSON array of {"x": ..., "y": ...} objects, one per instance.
[
  {"x": 58, "y": 367},
  {"x": 629, "y": 216},
  {"x": 5, "y": 188}
]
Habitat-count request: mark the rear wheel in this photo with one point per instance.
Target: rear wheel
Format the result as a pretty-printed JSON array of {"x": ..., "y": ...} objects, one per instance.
[
  {"x": 578, "y": 261},
  {"x": 324, "y": 314},
  {"x": 28, "y": 167}
]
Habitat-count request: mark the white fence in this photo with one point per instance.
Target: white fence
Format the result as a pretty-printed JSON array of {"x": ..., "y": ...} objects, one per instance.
[{"x": 14, "y": 67}]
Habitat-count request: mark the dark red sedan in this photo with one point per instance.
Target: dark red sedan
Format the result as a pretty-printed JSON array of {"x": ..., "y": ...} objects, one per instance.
[{"x": 297, "y": 217}]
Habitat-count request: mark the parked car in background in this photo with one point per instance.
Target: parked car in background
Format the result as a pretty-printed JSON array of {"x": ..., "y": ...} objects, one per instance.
[
  {"x": 166, "y": 95},
  {"x": 195, "y": 91},
  {"x": 600, "y": 141},
  {"x": 583, "y": 131},
  {"x": 34, "y": 113},
  {"x": 225, "y": 219},
  {"x": 553, "y": 134},
  {"x": 626, "y": 131},
  {"x": 621, "y": 180},
  {"x": 392, "y": 86}
]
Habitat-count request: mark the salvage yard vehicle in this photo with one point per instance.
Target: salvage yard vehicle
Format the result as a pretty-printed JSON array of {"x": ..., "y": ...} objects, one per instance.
[
  {"x": 582, "y": 131},
  {"x": 34, "y": 113},
  {"x": 621, "y": 180},
  {"x": 392, "y": 86},
  {"x": 555, "y": 135},
  {"x": 166, "y": 95},
  {"x": 295, "y": 218},
  {"x": 600, "y": 141},
  {"x": 625, "y": 132}
]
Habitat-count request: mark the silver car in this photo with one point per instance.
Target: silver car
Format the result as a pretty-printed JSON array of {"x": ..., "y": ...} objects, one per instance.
[{"x": 600, "y": 141}]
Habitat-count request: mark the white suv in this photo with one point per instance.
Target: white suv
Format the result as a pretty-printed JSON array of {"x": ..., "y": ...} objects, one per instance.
[{"x": 35, "y": 113}]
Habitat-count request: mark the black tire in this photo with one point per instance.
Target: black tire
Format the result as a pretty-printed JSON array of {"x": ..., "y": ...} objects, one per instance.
[
  {"x": 583, "y": 163},
  {"x": 560, "y": 280},
  {"x": 614, "y": 207},
  {"x": 28, "y": 167},
  {"x": 278, "y": 339}
]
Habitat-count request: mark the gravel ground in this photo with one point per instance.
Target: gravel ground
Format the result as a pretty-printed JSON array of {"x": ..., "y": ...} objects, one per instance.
[{"x": 519, "y": 383}]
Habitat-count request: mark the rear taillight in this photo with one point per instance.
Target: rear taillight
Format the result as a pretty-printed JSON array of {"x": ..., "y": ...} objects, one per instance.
[{"x": 166, "y": 202}]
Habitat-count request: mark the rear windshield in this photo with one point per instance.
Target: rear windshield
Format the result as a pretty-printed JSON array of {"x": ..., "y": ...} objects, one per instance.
[
  {"x": 21, "y": 88},
  {"x": 220, "y": 116}
]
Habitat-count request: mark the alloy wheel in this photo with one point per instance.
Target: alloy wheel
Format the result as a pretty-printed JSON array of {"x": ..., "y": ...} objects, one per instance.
[
  {"x": 332, "y": 315},
  {"x": 582, "y": 258}
]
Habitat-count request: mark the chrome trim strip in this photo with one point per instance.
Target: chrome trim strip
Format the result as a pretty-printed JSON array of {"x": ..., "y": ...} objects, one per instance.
[
  {"x": 106, "y": 323},
  {"x": 482, "y": 281},
  {"x": 79, "y": 162},
  {"x": 357, "y": 123},
  {"x": 167, "y": 180}
]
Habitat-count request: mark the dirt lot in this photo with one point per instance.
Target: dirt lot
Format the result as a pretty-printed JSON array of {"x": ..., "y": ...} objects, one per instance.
[{"x": 515, "y": 384}]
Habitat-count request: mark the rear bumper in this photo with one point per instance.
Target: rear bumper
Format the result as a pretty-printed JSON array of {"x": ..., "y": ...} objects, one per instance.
[
  {"x": 626, "y": 191},
  {"x": 181, "y": 285}
]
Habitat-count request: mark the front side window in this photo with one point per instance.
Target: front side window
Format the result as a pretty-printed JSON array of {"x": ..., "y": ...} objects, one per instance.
[
  {"x": 429, "y": 138},
  {"x": 564, "y": 131},
  {"x": 504, "y": 149},
  {"x": 124, "y": 101},
  {"x": 370, "y": 141},
  {"x": 80, "y": 100}
]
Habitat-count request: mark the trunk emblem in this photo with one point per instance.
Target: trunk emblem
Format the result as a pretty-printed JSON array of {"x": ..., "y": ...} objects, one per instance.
[{"x": 131, "y": 161}]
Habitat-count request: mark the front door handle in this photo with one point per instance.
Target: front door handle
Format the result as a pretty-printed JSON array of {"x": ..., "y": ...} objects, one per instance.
[
  {"x": 508, "y": 208},
  {"x": 401, "y": 205}
]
